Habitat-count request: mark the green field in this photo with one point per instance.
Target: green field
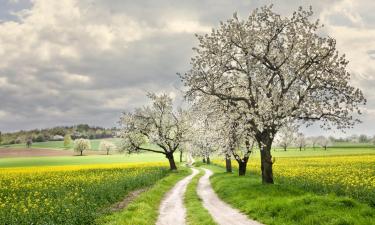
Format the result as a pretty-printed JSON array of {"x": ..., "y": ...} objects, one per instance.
[{"x": 60, "y": 144}]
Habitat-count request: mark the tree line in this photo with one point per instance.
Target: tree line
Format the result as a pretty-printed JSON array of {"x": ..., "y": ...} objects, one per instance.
[
  {"x": 57, "y": 133},
  {"x": 249, "y": 79}
]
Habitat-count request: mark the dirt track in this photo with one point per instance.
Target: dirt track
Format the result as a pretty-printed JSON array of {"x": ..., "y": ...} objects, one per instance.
[
  {"x": 34, "y": 152},
  {"x": 221, "y": 212},
  {"x": 172, "y": 210}
]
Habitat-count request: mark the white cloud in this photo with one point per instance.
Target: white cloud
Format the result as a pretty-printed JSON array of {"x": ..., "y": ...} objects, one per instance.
[
  {"x": 186, "y": 26},
  {"x": 3, "y": 81},
  {"x": 77, "y": 78},
  {"x": 3, "y": 114}
]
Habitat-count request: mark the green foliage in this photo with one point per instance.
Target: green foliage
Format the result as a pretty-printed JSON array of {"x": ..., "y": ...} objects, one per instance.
[
  {"x": 196, "y": 213},
  {"x": 40, "y": 135},
  {"x": 68, "y": 196},
  {"x": 144, "y": 210},
  {"x": 286, "y": 204},
  {"x": 67, "y": 140}
]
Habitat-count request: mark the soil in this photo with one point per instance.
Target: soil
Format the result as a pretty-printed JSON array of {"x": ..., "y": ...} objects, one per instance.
[
  {"x": 127, "y": 200},
  {"x": 34, "y": 152}
]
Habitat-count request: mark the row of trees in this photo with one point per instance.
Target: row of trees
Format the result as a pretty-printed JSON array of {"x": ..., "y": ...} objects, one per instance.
[
  {"x": 290, "y": 137},
  {"x": 248, "y": 80},
  {"x": 81, "y": 145},
  {"x": 56, "y": 133}
]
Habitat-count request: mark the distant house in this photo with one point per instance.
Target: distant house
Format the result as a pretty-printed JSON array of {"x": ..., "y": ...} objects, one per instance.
[{"x": 57, "y": 138}]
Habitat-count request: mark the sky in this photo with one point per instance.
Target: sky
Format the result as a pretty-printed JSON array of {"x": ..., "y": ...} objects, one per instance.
[{"x": 86, "y": 61}]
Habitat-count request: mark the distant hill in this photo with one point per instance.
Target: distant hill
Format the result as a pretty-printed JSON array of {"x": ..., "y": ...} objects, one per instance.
[{"x": 49, "y": 134}]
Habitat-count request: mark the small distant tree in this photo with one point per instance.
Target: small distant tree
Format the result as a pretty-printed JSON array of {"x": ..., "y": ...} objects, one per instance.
[
  {"x": 81, "y": 145},
  {"x": 107, "y": 146},
  {"x": 181, "y": 150},
  {"x": 363, "y": 138},
  {"x": 67, "y": 140},
  {"x": 287, "y": 136},
  {"x": 314, "y": 141},
  {"x": 301, "y": 141},
  {"x": 29, "y": 142},
  {"x": 324, "y": 142}
]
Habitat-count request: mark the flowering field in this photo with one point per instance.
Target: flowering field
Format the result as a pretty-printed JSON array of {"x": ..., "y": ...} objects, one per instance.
[
  {"x": 352, "y": 176},
  {"x": 69, "y": 194}
]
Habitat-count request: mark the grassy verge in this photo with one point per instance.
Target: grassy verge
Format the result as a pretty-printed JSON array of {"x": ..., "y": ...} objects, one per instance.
[
  {"x": 144, "y": 210},
  {"x": 196, "y": 213},
  {"x": 287, "y": 204}
]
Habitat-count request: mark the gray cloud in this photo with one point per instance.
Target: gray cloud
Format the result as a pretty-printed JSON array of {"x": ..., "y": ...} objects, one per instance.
[{"x": 86, "y": 61}]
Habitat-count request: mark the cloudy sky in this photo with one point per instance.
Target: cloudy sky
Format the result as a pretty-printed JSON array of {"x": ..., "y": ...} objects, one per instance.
[{"x": 85, "y": 61}]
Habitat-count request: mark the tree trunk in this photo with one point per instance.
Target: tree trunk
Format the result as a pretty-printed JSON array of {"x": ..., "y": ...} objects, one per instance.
[
  {"x": 107, "y": 152},
  {"x": 180, "y": 156},
  {"x": 242, "y": 168},
  {"x": 300, "y": 148},
  {"x": 81, "y": 153},
  {"x": 228, "y": 163},
  {"x": 266, "y": 164},
  {"x": 285, "y": 148},
  {"x": 204, "y": 160},
  {"x": 208, "y": 160},
  {"x": 172, "y": 164},
  {"x": 325, "y": 147}
]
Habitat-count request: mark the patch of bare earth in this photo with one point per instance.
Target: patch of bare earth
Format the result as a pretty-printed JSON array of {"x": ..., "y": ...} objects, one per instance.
[
  {"x": 127, "y": 200},
  {"x": 35, "y": 152}
]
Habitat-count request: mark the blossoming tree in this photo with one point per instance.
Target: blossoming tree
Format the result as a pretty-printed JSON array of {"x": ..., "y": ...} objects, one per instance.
[
  {"x": 156, "y": 125},
  {"x": 81, "y": 145},
  {"x": 107, "y": 146},
  {"x": 275, "y": 70}
]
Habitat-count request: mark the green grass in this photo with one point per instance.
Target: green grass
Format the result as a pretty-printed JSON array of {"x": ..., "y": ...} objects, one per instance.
[
  {"x": 196, "y": 214},
  {"x": 331, "y": 151},
  {"x": 83, "y": 160},
  {"x": 69, "y": 195},
  {"x": 286, "y": 204},
  {"x": 60, "y": 144},
  {"x": 144, "y": 209}
]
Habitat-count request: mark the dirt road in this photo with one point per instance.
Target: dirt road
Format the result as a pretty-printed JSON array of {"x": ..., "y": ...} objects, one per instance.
[
  {"x": 172, "y": 210},
  {"x": 222, "y": 213}
]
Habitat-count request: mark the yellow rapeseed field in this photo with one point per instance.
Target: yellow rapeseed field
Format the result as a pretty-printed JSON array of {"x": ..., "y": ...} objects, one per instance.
[
  {"x": 345, "y": 175},
  {"x": 69, "y": 194}
]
